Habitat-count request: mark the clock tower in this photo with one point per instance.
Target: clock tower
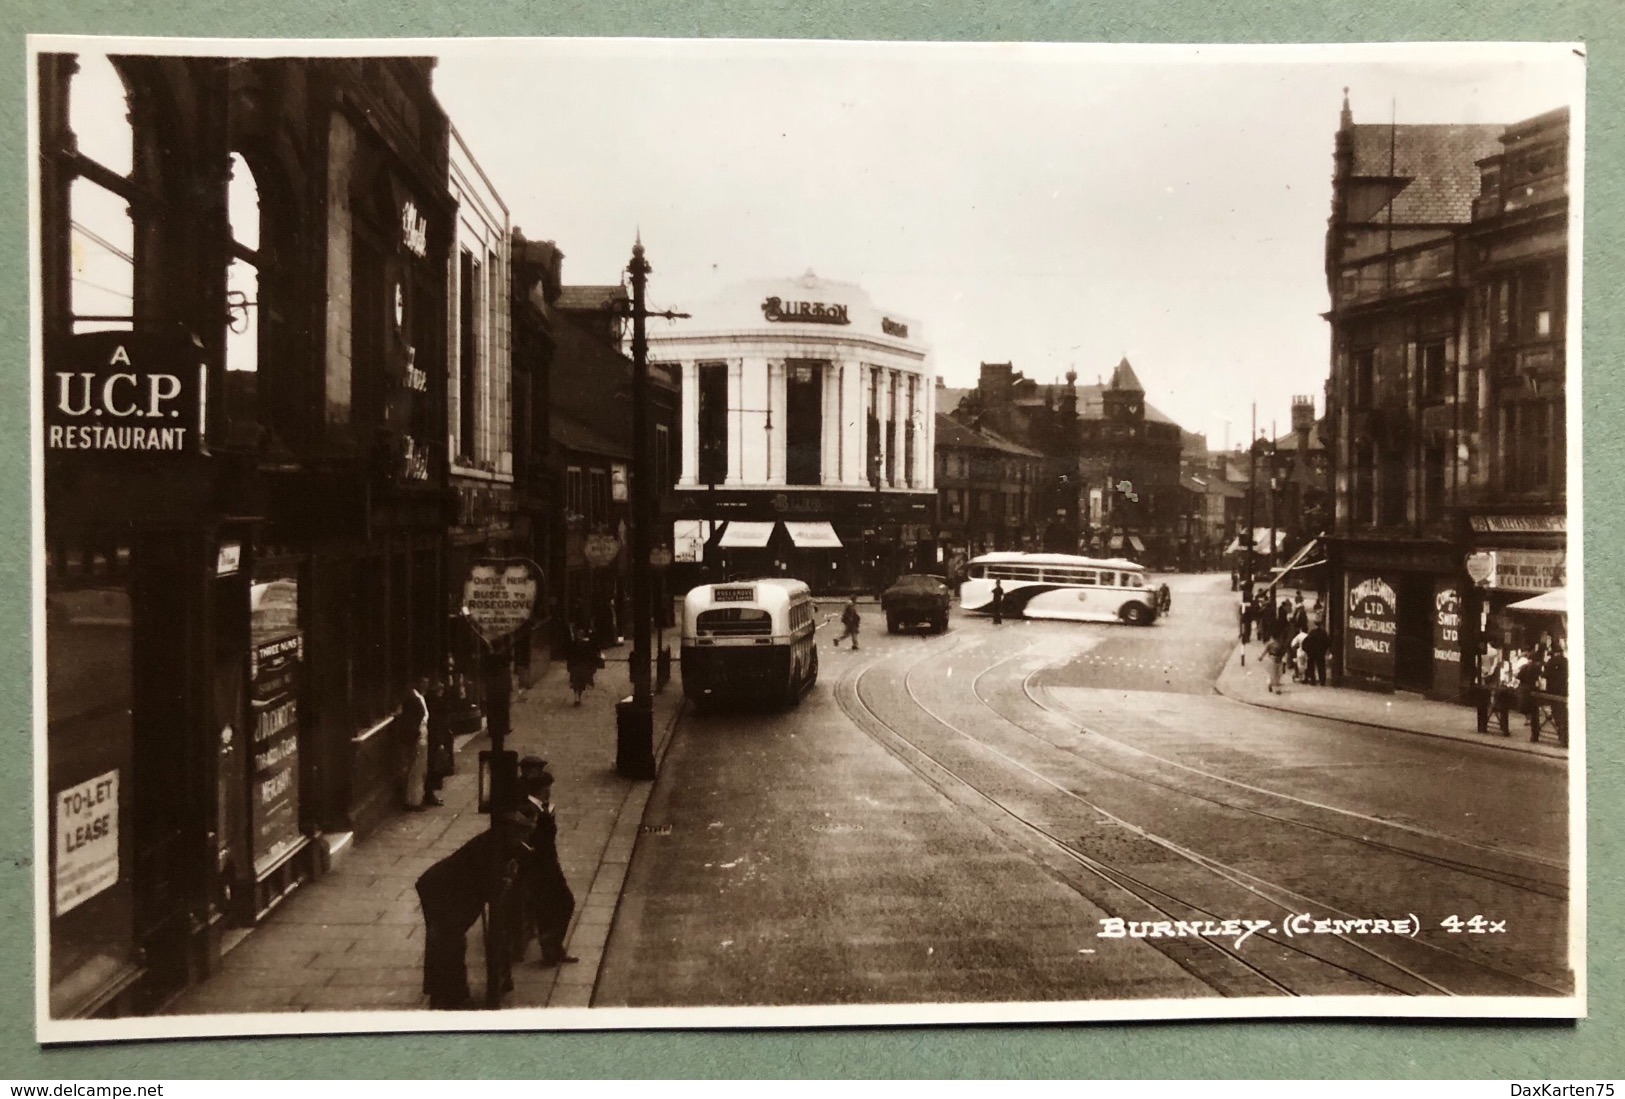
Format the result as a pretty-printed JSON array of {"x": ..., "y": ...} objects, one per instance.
[{"x": 1124, "y": 398}]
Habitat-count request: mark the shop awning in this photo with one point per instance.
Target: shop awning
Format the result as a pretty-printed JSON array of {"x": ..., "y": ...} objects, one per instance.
[
  {"x": 1555, "y": 601},
  {"x": 688, "y": 538},
  {"x": 1137, "y": 545},
  {"x": 812, "y": 535},
  {"x": 1297, "y": 562},
  {"x": 743, "y": 535}
]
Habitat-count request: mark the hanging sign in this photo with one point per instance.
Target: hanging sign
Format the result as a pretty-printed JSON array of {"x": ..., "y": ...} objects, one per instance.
[
  {"x": 499, "y": 596},
  {"x": 601, "y": 550},
  {"x": 127, "y": 394},
  {"x": 414, "y": 230},
  {"x": 86, "y": 823},
  {"x": 1372, "y": 626},
  {"x": 1481, "y": 567}
]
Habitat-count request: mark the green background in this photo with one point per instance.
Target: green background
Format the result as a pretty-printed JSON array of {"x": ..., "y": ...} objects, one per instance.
[{"x": 1158, "y": 1050}]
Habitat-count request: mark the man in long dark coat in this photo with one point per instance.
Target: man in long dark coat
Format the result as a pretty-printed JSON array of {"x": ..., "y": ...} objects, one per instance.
[
  {"x": 452, "y": 894},
  {"x": 549, "y": 897}
]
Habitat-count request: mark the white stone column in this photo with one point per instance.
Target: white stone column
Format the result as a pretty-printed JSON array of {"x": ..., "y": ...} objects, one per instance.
[
  {"x": 690, "y": 392},
  {"x": 775, "y": 408},
  {"x": 736, "y": 432}
]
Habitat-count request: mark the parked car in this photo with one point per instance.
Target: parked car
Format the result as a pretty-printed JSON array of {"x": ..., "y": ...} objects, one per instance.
[{"x": 915, "y": 600}]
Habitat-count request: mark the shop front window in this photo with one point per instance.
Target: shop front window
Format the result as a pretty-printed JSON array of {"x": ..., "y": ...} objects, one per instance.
[
  {"x": 89, "y": 678},
  {"x": 242, "y": 296},
  {"x": 102, "y": 232}
]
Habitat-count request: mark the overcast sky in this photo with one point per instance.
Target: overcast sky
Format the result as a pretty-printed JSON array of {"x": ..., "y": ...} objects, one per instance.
[{"x": 1052, "y": 206}]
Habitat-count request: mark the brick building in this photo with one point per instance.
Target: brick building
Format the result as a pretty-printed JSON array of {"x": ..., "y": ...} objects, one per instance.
[
  {"x": 1111, "y": 472},
  {"x": 987, "y": 492},
  {"x": 1446, "y": 261}
]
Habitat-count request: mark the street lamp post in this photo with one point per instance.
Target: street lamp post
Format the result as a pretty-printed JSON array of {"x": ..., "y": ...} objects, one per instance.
[{"x": 634, "y": 716}]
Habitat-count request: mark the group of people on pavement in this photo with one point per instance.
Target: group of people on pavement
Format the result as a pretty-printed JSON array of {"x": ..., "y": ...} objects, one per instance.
[
  {"x": 510, "y": 875},
  {"x": 1294, "y": 637},
  {"x": 423, "y": 734},
  {"x": 1524, "y": 680}
]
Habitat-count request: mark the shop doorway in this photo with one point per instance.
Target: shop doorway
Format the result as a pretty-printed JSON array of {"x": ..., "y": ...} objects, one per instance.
[{"x": 1413, "y": 643}]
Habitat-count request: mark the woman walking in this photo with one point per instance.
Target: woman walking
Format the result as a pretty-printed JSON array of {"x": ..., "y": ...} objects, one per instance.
[
  {"x": 1275, "y": 653},
  {"x": 583, "y": 661}
]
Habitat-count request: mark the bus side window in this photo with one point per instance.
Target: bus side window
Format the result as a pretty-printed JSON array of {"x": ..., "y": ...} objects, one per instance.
[
  {"x": 1085, "y": 577},
  {"x": 1108, "y": 579}
]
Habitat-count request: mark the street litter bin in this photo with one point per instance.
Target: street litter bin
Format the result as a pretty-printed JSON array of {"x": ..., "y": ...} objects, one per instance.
[{"x": 634, "y": 738}]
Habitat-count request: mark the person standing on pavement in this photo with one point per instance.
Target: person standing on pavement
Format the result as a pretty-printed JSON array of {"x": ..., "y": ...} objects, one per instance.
[
  {"x": 1300, "y": 615},
  {"x": 1557, "y": 685},
  {"x": 1511, "y": 662},
  {"x": 411, "y": 729},
  {"x": 850, "y": 621},
  {"x": 1246, "y": 621},
  {"x": 1275, "y": 654},
  {"x": 442, "y": 762},
  {"x": 1529, "y": 673},
  {"x": 547, "y": 894},
  {"x": 454, "y": 891},
  {"x": 1316, "y": 643},
  {"x": 998, "y": 602}
]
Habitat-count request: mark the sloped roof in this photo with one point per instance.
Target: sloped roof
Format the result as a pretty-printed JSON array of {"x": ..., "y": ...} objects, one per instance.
[
  {"x": 1123, "y": 378},
  {"x": 1437, "y": 162},
  {"x": 952, "y": 433},
  {"x": 571, "y": 434},
  {"x": 581, "y": 298},
  {"x": 1289, "y": 441}
]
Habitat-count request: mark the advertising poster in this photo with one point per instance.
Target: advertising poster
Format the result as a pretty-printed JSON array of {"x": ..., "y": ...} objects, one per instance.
[{"x": 1446, "y": 635}]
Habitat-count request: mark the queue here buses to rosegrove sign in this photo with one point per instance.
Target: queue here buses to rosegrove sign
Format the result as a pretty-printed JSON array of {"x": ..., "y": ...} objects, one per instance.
[{"x": 499, "y": 596}]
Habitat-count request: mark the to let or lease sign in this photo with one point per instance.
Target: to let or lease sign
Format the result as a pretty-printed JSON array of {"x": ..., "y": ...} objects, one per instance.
[
  {"x": 86, "y": 840},
  {"x": 499, "y": 596}
]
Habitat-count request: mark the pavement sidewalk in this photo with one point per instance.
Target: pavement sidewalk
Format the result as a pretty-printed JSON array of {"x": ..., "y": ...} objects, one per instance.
[
  {"x": 352, "y": 939},
  {"x": 1245, "y": 678}
]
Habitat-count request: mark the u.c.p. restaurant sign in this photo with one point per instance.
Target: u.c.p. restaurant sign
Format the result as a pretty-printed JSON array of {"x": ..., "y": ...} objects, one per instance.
[{"x": 118, "y": 391}]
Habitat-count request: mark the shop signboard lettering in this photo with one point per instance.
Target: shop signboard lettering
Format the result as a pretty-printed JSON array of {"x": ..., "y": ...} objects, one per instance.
[
  {"x": 894, "y": 328},
  {"x": 274, "y": 796},
  {"x": 126, "y": 393},
  {"x": 817, "y": 312},
  {"x": 601, "y": 550},
  {"x": 1372, "y": 626},
  {"x": 1519, "y": 524},
  {"x": 87, "y": 851},
  {"x": 1446, "y": 633},
  {"x": 275, "y": 661},
  {"x": 414, "y": 230},
  {"x": 1532, "y": 571},
  {"x": 499, "y": 596}
]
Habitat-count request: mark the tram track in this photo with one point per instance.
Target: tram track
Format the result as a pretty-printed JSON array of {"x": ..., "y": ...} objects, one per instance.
[{"x": 1275, "y": 965}]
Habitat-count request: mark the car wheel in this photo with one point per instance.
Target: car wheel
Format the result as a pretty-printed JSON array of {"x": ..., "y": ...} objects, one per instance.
[
  {"x": 1135, "y": 615},
  {"x": 942, "y": 624},
  {"x": 891, "y": 623}
]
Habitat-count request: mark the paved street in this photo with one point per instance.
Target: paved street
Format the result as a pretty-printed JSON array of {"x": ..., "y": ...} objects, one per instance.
[{"x": 951, "y": 818}]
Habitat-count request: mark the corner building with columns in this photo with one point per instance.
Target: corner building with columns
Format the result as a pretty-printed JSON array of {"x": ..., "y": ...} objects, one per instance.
[{"x": 807, "y": 425}]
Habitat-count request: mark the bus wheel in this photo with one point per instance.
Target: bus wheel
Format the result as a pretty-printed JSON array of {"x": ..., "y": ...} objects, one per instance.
[{"x": 1135, "y": 615}]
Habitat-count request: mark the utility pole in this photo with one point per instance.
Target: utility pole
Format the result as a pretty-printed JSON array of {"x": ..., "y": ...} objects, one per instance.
[
  {"x": 634, "y": 716},
  {"x": 1252, "y": 504},
  {"x": 1272, "y": 499}
]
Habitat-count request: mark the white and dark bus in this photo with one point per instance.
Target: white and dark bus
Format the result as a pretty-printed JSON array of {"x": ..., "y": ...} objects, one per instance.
[
  {"x": 1060, "y": 585},
  {"x": 749, "y": 640}
]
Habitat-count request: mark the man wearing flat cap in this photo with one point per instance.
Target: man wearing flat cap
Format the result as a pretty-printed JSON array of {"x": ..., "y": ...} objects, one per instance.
[
  {"x": 456, "y": 889},
  {"x": 548, "y": 895}
]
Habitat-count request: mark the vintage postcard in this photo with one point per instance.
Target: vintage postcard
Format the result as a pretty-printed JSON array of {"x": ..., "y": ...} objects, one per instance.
[{"x": 547, "y": 534}]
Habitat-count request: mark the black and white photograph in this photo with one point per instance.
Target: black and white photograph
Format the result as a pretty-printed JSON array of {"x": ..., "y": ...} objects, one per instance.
[{"x": 553, "y": 534}]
